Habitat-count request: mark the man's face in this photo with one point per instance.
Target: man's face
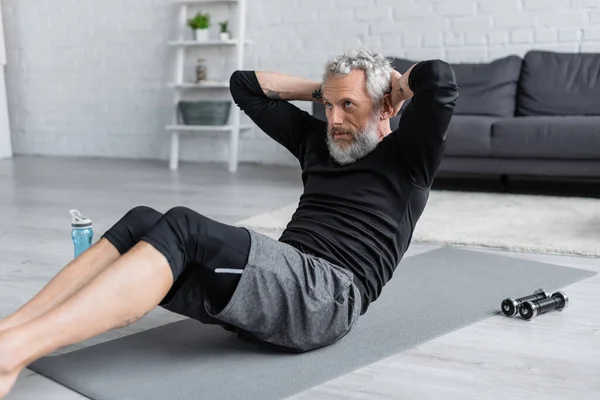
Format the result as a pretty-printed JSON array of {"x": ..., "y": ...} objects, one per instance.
[{"x": 352, "y": 129}]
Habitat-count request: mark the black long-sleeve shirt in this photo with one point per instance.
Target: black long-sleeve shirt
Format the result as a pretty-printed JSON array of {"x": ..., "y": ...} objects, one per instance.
[{"x": 360, "y": 216}]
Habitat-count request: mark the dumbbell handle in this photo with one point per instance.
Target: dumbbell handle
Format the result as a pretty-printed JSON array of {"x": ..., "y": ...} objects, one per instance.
[
  {"x": 530, "y": 309},
  {"x": 550, "y": 304}
]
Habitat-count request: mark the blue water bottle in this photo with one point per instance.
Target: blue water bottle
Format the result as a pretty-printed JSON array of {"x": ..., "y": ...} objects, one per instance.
[{"x": 81, "y": 233}]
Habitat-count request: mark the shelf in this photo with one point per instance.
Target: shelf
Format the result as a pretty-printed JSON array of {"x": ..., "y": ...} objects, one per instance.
[
  {"x": 204, "y": 128},
  {"x": 185, "y": 41},
  {"x": 206, "y": 1},
  {"x": 205, "y": 85},
  {"x": 215, "y": 42}
]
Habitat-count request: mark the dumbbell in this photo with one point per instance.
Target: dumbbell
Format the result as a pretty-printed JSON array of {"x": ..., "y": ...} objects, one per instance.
[
  {"x": 510, "y": 307},
  {"x": 530, "y": 309}
]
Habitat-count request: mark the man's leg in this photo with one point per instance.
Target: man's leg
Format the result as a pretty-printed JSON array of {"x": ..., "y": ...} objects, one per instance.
[
  {"x": 214, "y": 258},
  {"x": 123, "y": 236},
  {"x": 76, "y": 274},
  {"x": 123, "y": 293},
  {"x": 128, "y": 289}
]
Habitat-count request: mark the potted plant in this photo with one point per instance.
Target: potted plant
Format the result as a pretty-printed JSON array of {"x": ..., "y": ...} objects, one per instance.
[
  {"x": 200, "y": 24},
  {"x": 224, "y": 33}
]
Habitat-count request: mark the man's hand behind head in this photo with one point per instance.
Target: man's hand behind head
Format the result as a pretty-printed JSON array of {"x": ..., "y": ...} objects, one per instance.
[{"x": 400, "y": 91}]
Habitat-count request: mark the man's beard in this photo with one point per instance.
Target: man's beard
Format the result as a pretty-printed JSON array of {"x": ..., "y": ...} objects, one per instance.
[{"x": 363, "y": 142}]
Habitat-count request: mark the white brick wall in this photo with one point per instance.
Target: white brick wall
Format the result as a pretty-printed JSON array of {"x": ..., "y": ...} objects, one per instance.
[{"x": 89, "y": 77}]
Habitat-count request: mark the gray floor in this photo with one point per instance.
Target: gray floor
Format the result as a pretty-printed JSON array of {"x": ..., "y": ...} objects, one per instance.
[{"x": 557, "y": 356}]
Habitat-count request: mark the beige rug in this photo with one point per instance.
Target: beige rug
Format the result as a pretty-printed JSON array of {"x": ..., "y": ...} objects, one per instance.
[{"x": 563, "y": 225}]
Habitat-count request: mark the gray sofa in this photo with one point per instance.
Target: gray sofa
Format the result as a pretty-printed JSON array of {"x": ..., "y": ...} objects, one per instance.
[{"x": 533, "y": 116}]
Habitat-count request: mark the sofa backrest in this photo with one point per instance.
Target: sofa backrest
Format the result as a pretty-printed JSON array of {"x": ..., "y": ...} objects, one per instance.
[
  {"x": 483, "y": 88},
  {"x": 555, "y": 83}
]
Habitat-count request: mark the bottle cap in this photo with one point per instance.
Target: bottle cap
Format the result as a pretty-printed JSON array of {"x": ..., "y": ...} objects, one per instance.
[{"x": 79, "y": 221}]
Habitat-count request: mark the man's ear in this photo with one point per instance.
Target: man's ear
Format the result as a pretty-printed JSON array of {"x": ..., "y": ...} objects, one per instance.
[{"x": 387, "y": 110}]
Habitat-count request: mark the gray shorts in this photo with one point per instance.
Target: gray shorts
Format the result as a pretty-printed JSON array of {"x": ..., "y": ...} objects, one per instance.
[{"x": 286, "y": 299}]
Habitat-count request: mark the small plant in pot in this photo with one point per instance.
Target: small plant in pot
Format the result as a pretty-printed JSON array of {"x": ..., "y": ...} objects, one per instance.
[
  {"x": 200, "y": 24},
  {"x": 224, "y": 33}
]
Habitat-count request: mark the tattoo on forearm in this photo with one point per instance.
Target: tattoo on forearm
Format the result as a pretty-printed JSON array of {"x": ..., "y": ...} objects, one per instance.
[
  {"x": 317, "y": 94},
  {"x": 129, "y": 321},
  {"x": 273, "y": 95}
]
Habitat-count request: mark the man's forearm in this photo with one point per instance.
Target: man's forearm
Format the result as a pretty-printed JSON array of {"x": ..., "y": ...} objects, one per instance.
[
  {"x": 404, "y": 87},
  {"x": 286, "y": 87}
]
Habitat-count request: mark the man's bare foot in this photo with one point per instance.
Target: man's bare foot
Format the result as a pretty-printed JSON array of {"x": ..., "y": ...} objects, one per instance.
[{"x": 9, "y": 366}]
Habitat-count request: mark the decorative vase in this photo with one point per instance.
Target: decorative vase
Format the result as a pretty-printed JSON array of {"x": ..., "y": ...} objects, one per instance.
[
  {"x": 201, "y": 70},
  {"x": 224, "y": 36},
  {"x": 201, "y": 35}
]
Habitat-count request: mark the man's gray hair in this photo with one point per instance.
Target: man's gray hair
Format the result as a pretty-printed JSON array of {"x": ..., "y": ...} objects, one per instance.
[{"x": 377, "y": 69}]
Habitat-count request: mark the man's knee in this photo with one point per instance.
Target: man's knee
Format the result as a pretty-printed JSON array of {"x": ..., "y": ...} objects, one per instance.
[
  {"x": 173, "y": 234},
  {"x": 178, "y": 212},
  {"x": 143, "y": 214},
  {"x": 187, "y": 220},
  {"x": 131, "y": 227},
  {"x": 140, "y": 220}
]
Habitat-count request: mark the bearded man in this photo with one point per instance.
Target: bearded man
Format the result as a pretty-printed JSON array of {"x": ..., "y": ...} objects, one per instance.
[{"x": 365, "y": 188}]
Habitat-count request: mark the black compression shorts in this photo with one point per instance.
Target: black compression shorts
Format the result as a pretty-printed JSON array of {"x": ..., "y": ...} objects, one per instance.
[{"x": 203, "y": 253}]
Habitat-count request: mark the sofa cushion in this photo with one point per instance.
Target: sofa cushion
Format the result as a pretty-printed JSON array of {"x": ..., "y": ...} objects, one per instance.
[
  {"x": 470, "y": 136},
  {"x": 483, "y": 88},
  {"x": 559, "y": 84},
  {"x": 555, "y": 137}
]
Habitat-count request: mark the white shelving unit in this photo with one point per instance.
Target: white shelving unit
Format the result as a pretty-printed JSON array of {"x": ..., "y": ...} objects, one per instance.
[
  {"x": 193, "y": 43},
  {"x": 182, "y": 46}
]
